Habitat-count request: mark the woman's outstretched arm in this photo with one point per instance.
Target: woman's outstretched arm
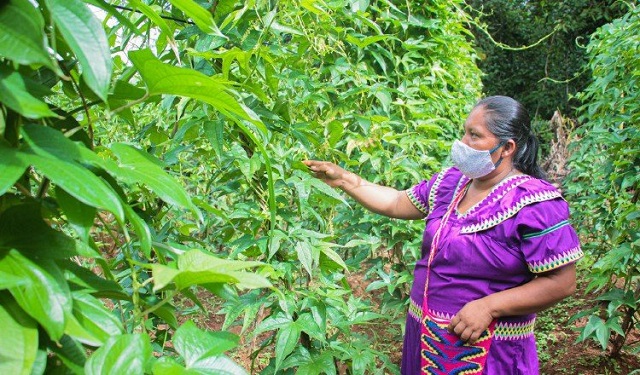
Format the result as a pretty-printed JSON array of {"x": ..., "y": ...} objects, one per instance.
[{"x": 376, "y": 198}]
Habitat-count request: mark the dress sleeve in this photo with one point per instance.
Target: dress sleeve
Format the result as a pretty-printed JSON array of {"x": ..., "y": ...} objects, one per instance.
[
  {"x": 418, "y": 196},
  {"x": 548, "y": 241}
]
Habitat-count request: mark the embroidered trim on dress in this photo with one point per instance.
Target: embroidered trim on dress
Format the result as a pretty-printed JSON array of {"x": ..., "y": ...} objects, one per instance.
[
  {"x": 504, "y": 330},
  {"x": 548, "y": 230},
  {"x": 416, "y": 202},
  {"x": 502, "y": 216},
  {"x": 556, "y": 261},
  {"x": 514, "y": 331},
  {"x": 415, "y": 310},
  {"x": 433, "y": 192},
  {"x": 493, "y": 197}
]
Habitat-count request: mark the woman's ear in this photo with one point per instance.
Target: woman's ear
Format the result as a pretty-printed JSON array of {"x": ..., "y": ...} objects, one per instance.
[{"x": 509, "y": 149}]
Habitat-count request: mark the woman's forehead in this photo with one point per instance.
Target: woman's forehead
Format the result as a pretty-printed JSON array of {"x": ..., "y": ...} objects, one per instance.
[{"x": 476, "y": 120}]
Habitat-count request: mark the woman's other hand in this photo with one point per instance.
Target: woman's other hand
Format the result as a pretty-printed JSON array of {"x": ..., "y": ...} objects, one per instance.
[{"x": 471, "y": 321}]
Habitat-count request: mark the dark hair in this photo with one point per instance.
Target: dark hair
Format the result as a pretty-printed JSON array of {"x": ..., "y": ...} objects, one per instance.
[{"x": 507, "y": 119}]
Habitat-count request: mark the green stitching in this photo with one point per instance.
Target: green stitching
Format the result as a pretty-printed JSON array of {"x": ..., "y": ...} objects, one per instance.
[{"x": 548, "y": 230}]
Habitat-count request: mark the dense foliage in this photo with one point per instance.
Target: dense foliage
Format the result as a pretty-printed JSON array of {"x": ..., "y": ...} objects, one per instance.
[
  {"x": 156, "y": 154},
  {"x": 604, "y": 182},
  {"x": 547, "y": 76}
]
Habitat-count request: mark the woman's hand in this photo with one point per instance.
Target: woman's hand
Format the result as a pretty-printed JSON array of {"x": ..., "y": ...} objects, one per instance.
[
  {"x": 328, "y": 172},
  {"x": 471, "y": 321}
]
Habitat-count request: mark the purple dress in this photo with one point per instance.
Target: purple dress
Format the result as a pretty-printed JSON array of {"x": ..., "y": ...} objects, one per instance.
[{"x": 519, "y": 230}]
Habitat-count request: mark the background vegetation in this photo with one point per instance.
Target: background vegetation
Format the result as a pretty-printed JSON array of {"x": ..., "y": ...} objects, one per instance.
[{"x": 151, "y": 157}]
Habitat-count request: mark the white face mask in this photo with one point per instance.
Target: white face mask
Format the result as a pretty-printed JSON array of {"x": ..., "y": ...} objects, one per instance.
[{"x": 471, "y": 162}]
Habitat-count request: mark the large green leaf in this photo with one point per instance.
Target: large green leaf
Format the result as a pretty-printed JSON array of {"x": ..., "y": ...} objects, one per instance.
[
  {"x": 202, "y": 18},
  {"x": 153, "y": 16},
  {"x": 286, "y": 340},
  {"x": 45, "y": 296},
  {"x": 15, "y": 95},
  {"x": 92, "y": 315},
  {"x": 166, "y": 79},
  {"x": 122, "y": 354},
  {"x": 203, "y": 350},
  {"x": 22, "y": 37},
  {"x": 87, "y": 39},
  {"x": 196, "y": 267},
  {"x": 77, "y": 181},
  {"x": 79, "y": 215},
  {"x": 11, "y": 167},
  {"x": 140, "y": 167},
  {"x": 40, "y": 240},
  {"x": 19, "y": 343}
]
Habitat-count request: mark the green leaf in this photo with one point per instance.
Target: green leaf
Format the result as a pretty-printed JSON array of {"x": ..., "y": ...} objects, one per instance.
[
  {"x": 79, "y": 215},
  {"x": 22, "y": 37},
  {"x": 123, "y": 354},
  {"x": 166, "y": 79},
  {"x": 78, "y": 182},
  {"x": 286, "y": 340},
  {"x": 331, "y": 254},
  {"x": 15, "y": 95},
  {"x": 19, "y": 344},
  {"x": 203, "y": 351},
  {"x": 153, "y": 16},
  {"x": 194, "y": 344},
  {"x": 196, "y": 267},
  {"x": 305, "y": 256},
  {"x": 122, "y": 20},
  {"x": 11, "y": 167},
  {"x": 40, "y": 241},
  {"x": 202, "y": 18},
  {"x": 8, "y": 280},
  {"x": 95, "y": 317},
  {"x": 138, "y": 166},
  {"x": 87, "y": 39},
  {"x": 86, "y": 280},
  {"x": 45, "y": 296}
]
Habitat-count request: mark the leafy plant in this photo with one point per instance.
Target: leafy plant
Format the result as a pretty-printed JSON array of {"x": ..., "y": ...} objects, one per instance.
[
  {"x": 605, "y": 182},
  {"x": 153, "y": 148}
]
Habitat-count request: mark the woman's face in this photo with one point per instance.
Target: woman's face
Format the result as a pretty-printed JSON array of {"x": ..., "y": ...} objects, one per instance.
[{"x": 476, "y": 133}]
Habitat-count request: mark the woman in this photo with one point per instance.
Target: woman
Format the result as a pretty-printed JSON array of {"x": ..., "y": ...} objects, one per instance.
[{"x": 497, "y": 247}]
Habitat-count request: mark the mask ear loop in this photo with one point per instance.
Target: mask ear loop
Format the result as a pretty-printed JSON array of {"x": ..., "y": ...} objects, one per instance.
[{"x": 502, "y": 143}]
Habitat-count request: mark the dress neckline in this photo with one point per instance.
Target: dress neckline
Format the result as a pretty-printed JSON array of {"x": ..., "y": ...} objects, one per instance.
[{"x": 465, "y": 183}]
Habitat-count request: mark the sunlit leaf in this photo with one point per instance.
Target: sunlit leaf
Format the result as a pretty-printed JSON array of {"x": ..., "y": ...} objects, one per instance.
[
  {"x": 45, "y": 296},
  {"x": 14, "y": 94},
  {"x": 11, "y": 167},
  {"x": 86, "y": 37},
  {"x": 22, "y": 37},
  {"x": 122, "y": 354},
  {"x": 19, "y": 343},
  {"x": 199, "y": 15}
]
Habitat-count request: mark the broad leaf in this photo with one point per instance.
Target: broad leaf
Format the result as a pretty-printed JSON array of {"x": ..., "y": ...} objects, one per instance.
[
  {"x": 166, "y": 79},
  {"x": 286, "y": 340},
  {"x": 196, "y": 267},
  {"x": 195, "y": 345},
  {"x": 22, "y": 37},
  {"x": 45, "y": 296},
  {"x": 202, "y": 18},
  {"x": 94, "y": 317},
  {"x": 15, "y": 95},
  {"x": 78, "y": 182},
  {"x": 40, "y": 240},
  {"x": 123, "y": 354},
  {"x": 87, "y": 39},
  {"x": 143, "y": 168},
  {"x": 19, "y": 343},
  {"x": 11, "y": 167},
  {"x": 79, "y": 215}
]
